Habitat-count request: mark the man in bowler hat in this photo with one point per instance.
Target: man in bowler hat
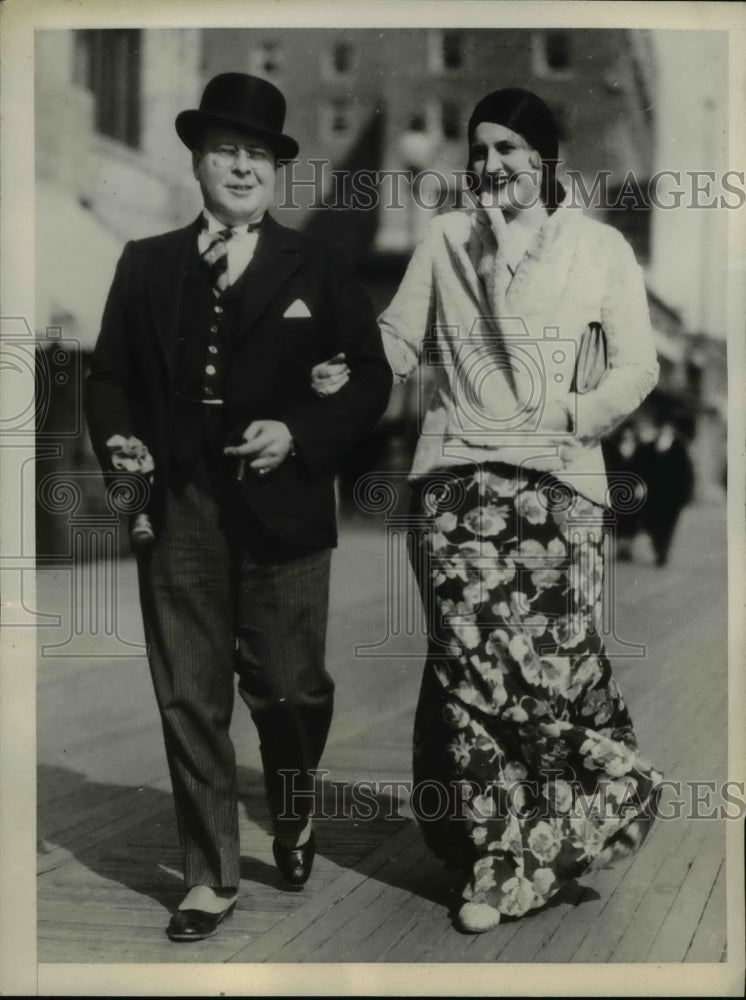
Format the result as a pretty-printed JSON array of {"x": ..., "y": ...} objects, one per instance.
[{"x": 203, "y": 363}]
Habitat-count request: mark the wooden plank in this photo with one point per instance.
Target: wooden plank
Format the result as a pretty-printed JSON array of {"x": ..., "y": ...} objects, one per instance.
[
  {"x": 316, "y": 906},
  {"x": 321, "y": 941},
  {"x": 657, "y": 902},
  {"x": 67, "y": 893},
  {"x": 662, "y": 864},
  {"x": 427, "y": 917},
  {"x": 570, "y": 933},
  {"x": 512, "y": 941},
  {"x": 452, "y": 945},
  {"x": 114, "y": 879},
  {"x": 398, "y": 911},
  {"x": 345, "y": 943},
  {"x": 432, "y": 917},
  {"x": 675, "y": 936},
  {"x": 710, "y": 938},
  {"x": 346, "y": 909},
  {"x": 84, "y": 809},
  {"x": 522, "y": 940},
  {"x": 111, "y": 821},
  {"x": 699, "y": 745},
  {"x": 318, "y": 941},
  {"x": 390, "y": 941},
  {"x": 93, "y": 950},
  {"x": 89, "y": 951},
  {"x": 114, "y": 893},
  {"x": 368, "y": 928},
  {"x": 115, "y": 941},
  {"x": 98, "y": 913}
]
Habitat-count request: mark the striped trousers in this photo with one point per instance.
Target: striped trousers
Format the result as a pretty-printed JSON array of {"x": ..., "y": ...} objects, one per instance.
[{"x": 210, "y": 611}]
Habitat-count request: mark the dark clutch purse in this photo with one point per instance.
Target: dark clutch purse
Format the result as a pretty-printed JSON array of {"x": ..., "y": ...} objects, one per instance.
[{"x": 593, "y": 359}]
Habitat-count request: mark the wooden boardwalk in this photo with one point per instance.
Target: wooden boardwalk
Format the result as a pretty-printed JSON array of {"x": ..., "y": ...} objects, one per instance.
[{"x": 109, "y": 867}]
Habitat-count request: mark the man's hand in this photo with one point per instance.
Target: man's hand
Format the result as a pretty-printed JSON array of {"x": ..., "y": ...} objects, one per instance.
[
  {"x": 268, "y": 441},
  {"x": 129, "y": 455},
  {"x": 329, "y": 377}
]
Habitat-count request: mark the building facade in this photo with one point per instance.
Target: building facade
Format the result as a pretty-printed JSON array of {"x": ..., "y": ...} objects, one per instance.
[
  {"x": 415, "y": 90},
  {"x": 390, "y": 105}
]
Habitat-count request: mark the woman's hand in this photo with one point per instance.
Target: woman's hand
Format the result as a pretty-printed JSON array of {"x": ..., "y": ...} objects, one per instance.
[
  {"x": 329, "y": 377},
  {"x": 557, "y": 417}
]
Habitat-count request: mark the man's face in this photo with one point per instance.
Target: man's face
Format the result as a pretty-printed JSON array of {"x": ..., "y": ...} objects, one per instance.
[{"x": 236, "y": 171}]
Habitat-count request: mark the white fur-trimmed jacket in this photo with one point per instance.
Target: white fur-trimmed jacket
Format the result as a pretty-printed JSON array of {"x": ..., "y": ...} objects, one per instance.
[{"x": 502, "y": 345}]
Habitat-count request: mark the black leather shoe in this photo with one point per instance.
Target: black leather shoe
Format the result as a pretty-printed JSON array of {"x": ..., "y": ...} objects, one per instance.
[
  {"x": 196, "y": 925},
  {"x": 295, "y": 863}
]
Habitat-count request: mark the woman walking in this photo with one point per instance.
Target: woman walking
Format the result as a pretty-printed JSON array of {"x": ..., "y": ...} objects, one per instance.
[{"x": 525, "y": 756}]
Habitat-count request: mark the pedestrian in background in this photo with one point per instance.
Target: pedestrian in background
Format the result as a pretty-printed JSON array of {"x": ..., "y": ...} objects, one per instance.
[
  {"x": 627, "y": 488},
  {"x": 518, "y": 709},
  {"x": 666, "y": 467}
]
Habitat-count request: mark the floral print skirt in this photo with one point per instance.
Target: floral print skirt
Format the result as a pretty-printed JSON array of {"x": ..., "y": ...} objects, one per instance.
[{"x": 526, "y": 768}]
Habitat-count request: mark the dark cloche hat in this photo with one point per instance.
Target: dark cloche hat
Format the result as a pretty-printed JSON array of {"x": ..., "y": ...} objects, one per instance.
[
  {"x": 522, "y": 112},
  {"x": 244, "y": 102}
]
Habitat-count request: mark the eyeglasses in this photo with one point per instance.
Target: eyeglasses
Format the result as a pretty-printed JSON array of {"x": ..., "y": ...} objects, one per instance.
[{"x": 228, "y": 156}]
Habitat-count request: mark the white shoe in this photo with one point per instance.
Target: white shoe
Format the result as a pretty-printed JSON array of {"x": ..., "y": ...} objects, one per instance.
[
  {"x": 475, "y": 918},
  {"x": 204, "y": 898}
]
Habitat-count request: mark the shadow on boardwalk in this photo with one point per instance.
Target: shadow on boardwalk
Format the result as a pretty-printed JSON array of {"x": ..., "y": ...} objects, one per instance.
[
  {"x": 109, "y": 862},
  {"x": 112, "y": 849}
]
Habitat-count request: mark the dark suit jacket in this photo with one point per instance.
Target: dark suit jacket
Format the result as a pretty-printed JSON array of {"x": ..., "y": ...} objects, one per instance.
[{"x": 130, "y": 389}]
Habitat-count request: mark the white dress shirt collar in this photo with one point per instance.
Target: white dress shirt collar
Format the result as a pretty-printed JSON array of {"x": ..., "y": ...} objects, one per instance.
[
  {"x": 214, "y": 225},
  {"x": 241, "y": 245}
]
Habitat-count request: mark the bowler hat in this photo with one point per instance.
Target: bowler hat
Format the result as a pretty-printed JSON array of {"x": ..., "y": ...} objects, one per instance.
[{"x": 240, "y": 101}]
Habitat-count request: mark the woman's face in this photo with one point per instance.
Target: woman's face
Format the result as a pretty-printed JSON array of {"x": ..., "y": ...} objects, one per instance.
[{"x": 509, "y": 170}]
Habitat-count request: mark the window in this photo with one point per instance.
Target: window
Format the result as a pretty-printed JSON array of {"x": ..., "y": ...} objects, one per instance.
[
  {"x": 340, "y": 119},
  {"x": 342, "y": 58},
  {"x": 338, "y": 60},
  {"x": 557, "y": 50},
  {"x": 336, "y": 119},
  {"x": 453, "y": 56},
  {"x": 107, "y": 62},
  {"x": 552, "y": 53},
  {"x": 266, "y": 59},
  {"x": 451, "y": 121},
  {"x": 446, "y": 51}
]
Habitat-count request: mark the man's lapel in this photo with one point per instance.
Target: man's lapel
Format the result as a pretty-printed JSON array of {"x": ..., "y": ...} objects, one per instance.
[
  {"x": 277, "y": 257},
  {"x": 165, "y": 280}
]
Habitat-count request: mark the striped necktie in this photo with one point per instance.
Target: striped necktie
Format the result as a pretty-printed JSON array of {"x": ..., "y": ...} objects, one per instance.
[{"x": 216, "y": 258}]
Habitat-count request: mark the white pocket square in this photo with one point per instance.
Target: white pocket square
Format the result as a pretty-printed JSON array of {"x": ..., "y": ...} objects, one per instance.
[{"x": 296, "y": 310}]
